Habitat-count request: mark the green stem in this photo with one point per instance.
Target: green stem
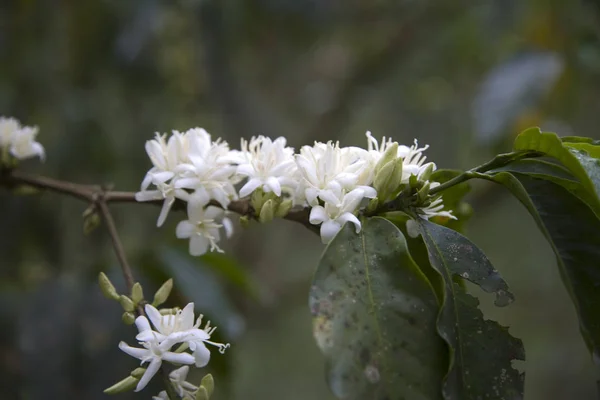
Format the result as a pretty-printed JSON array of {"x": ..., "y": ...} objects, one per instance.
[{"x": 497, "y": 162}]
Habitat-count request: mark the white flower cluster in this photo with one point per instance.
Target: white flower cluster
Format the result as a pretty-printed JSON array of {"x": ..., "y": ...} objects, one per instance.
[
  {"x": 333, "y": 181},
  {"x": 171, "y": 329},
  {"x": 19, "y": 141}
]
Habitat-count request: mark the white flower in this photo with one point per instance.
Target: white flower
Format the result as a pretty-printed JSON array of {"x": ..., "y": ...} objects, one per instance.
[
  {"x": 328, "y": 170},
  {"x": 181, "y": 328},
  {"x": 435, "y": 209},
  {"x": 268, "y": 164},
  {"x": 332, "y": 217},
  {"x": 162, "y": 395},
  {"x": 207, "y": 168},
  {"x": 413, "y": 160},
  {"x": 20, "y": 140},
  {"x": 153, "y": 352},
  {"x": 201, "y": 228}
]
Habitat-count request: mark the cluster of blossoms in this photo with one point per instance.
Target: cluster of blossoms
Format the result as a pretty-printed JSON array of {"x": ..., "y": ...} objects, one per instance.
[
  {"x": 170, "y": 329},
  {"x": 333, "y": 181},
  {"x": 19, "y": 141}
]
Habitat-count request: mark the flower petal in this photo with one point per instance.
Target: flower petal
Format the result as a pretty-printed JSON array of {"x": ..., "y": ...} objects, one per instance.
[
  {"x": 165, "y": 210},
  {"x": 154, "y": 316},
  {"x": 136, "y": 352},
  {"x": 142, "y": 324},
  {"x": 274, "y": 186},
  {"x": 349, "y": 217},
  {"x": 185, "y": 229},
  {"x": 178, "y": 358},
  {"x": 328, "y": 230},
  {"x": 250, "y": 187},
  {"x": 318, "y": 215},
  {"x": 149, "y": 374},
  {"x": 201, "y": 355},
  {"x": 198, "y": 245}
]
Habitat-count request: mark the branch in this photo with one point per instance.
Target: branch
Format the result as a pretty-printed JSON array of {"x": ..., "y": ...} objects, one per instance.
[{"x": 95, "y": 194}]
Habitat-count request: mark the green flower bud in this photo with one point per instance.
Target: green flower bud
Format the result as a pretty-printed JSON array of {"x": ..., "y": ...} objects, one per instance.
[
  {"x": 382, "y": 177},
  {"x": 208, "y": 383},
  {"x": 162, "y": 294},
  {"x": 267, "y": 212},
  {"x": 390, "y": 154},
  {"x": 137, "y": 293},
  {"x": 244, "y": 221},
  {"x": 90, "y": 222},
  {"x": 283, "y": 208},
  {"x": 426, "y": 174},
  {"x": 423, "y": 193},
  {"x": 256, "y": 199},
  {"x": 202, "y": 394},
  {"x": 138, "y": 372},
  {"x": 126, "y": 303},
  {"x": 373, "y": 204},
  {"x": 125, "y": 385},
  {"x": 108, "y": 290},
  {"x": 128, "y": 318}
]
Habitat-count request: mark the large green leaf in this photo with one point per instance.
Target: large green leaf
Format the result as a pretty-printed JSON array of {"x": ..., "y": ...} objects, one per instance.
[
  {"x": 374, "y": 318},
  {"x": 481, "y": 350},
  {"x": 573, "y": 231},
  {"x": 578, "y": 157}
]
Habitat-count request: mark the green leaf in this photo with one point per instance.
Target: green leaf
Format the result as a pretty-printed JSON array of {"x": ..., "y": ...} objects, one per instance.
[
  {"x": 573, "y": 231},
  {"x": 481, "y": 350},
  {"x": 583, "y": 166},
  {"x": 579, "y": 139},
  {"x": 543, "y": 169},
  {"x": 374, "y": 316}
]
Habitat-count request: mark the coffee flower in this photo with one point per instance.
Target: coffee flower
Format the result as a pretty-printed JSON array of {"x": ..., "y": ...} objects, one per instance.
[
  {"x": 332, "y": 217},
  {"x": 268, "y": 164},
  {"x": 183, "y": 388},
  {"x": 19, "y": 141}
]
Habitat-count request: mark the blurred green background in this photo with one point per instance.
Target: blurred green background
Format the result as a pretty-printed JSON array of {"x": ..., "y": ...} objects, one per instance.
[{"x": 101, "y": 76}]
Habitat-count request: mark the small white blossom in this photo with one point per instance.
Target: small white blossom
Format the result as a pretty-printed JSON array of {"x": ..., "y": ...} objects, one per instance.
[
  {"x": 20, "y": 140},
  {"x": 181, "y": 328},
  {"x": 328, "y": 171},
  {"x": 268, "y": 164},
  {"x": 332, "y": 217},
  {"x": 153, "y": 352},
  {"x": 435, "y": 209},
  {"x": 413, "y": 160},
  {"x": 201, "y": 228},
  {"x": 184, "y": 389}
]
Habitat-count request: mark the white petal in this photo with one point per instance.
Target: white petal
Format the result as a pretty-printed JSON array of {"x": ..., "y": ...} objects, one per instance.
[
  {"x": 142, "y": 323},
  {"x": 146, "y": 182},
  {"x": 311, "y": 195},
  {"x": 185, "y": 229},
  {"x": 273, "y": 185},
  {"x": 201, "y": 355},
  {"x": 162, "y": 177},
  {"x": 188, "y": 183},
  {"x": 369, "y": 192},
  {"x": 245, "y": 169},
  {"x": 318, "y": 215},
  {"x": 134, "y": 351},
  {"x": 187, "y": 316},
  {"x": 329, "y": 197},
  {"x": 149, "y": 195},
  {"x": 349, "y": 217},
  {"x": 196, "y": 203},
  {"x": 198, "y": 245},
  {"x": 165, "y": 210},
  {"x": 149, "y": 374},
  {"x": 352, "y": 200},
  {"x": 250, "y": 187},
  {"x": 228, "y": 226},
  {"x": 154, "y": 316},
  {"x": 328, "y": 230},
  {"x": 180, "y": 374},
  {"x": 178, "y": 358}
]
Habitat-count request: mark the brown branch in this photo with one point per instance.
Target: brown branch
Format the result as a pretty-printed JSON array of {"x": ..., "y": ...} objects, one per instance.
[{"x": 95, "y": 194}]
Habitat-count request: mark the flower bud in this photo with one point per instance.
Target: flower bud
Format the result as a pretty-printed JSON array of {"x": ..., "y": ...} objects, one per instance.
[
  {"x": 137, "y": 293},
  {"x": 125, "y": 385},
  {"x": 208, "y": 383},
  {"x": 202, "y": 394},
  {"x": 283, "y": 208},
  {"x": 244, "y": 221},
  {"x": 390, "y": 154},
  {"x": 162, "y": 294},
  {"x": 388, "y": 179},
  {"x": 426, "y": 171},
  {"x": 267, "y": 212},
  {"x": 126, "y": 303},
  {"x": 423, "y": 193},
  {"x": 373, "y": 204},
  {"x": 138, "y": 372},
  {"x": 128, "y": 318},
  {"x": 108, "y": 290},
  {"x": 90, "y": 222}
]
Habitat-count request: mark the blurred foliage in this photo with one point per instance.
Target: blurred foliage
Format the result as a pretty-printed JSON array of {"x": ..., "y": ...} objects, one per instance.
[{"x": 100, "y": 77}]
